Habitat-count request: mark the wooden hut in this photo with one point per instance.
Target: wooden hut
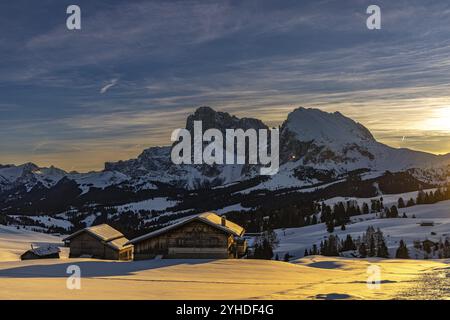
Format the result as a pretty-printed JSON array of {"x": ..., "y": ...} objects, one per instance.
[
  {"x": 206, "y": 236},
  {"x": 43, "y": 252},
  {"x": 100, "y": 242}
]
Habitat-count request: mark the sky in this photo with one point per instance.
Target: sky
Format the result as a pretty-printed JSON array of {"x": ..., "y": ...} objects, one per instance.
[{"x": 137, "y": 69}]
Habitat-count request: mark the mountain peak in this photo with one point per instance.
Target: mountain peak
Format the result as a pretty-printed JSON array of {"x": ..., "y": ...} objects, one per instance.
[
  {"x": 221, "y": 120},
  {"x": 310, "y": 124}
]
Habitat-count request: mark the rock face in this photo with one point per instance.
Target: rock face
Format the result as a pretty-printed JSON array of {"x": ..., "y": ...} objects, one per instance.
[
  {"x": 151, "y": 159},
  {"x": 155, "y": 163},
  {"x": 221, "y": 121},
  {"x": 322, "y": 155}
]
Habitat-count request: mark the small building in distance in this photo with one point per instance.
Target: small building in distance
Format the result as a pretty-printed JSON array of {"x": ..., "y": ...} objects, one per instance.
[
  {"x": 204, "y": 236},
  {"x": 100, "y": 242},
  {"x": 42, "y": 252}
]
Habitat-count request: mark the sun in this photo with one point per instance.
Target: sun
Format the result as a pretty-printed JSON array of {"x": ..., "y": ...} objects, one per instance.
[{"x": 439, "y": 120}]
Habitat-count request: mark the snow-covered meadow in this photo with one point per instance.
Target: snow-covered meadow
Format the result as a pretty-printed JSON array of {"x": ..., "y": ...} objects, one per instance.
[
  {"x": 308, "y": 278},
  {"x": 295, "y": 240},
  {"x": 312, "y": 277},
  {"x": 15, "y": 241}
]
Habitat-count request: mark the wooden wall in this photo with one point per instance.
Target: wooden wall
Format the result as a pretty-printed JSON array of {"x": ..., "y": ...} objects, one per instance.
[
  {"x": 86, "y": 244},
  {"x": 192, "y": 240}
]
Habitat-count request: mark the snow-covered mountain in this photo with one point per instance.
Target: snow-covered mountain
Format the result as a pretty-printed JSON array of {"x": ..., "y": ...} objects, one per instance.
[
  {"x": 29, "y": 175},
  {"x": 320, "y": 153},
  {"x": 311, "y": 141},
  {"x": 155, "y": 164},
  {"x": 332, "y": 141}
]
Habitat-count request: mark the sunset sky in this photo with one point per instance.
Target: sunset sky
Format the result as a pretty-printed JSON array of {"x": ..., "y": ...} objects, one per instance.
[{"x": 76, "y": 99}]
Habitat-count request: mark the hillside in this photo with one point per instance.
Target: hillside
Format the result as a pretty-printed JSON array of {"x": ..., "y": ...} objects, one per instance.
[
  {"x": 14, "y": 242},
  {"x": 295, "y": 240},
  {"x": 323, "y": 155}
]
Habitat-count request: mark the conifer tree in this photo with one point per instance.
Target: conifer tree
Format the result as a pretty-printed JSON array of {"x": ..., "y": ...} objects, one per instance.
[
  {"x": 365, "y": 208},
  {"x": 402, "y": 251},
  {"x": 410, "y": 202},
  {"x": 382, "y": 250},
  {"x": 362, "y": 250},
  {"x": 348, "y": 244},
  {"x": 393, "y": 212},
  {"x": 330, "y": 226},
  {"x": 401, "y": 203},
  {"x": 372, "y": 248}
]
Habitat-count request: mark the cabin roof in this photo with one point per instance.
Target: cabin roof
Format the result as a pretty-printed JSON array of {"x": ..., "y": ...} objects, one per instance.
[
  {"x": 209, "y": 218},
  {"x": 119, "y": 243},
  {"x": 44, "y": 250},
  {"x": 104, "y": 233}
]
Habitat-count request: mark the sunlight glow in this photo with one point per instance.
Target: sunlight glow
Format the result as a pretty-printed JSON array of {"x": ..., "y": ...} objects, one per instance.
[{"x": 440, "y": 120}]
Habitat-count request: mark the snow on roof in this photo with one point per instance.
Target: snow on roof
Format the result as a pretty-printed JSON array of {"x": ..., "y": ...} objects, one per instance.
[
  {"x": 209, "y": 218},
  {"x": 119, "y": 243},
  {"x": 105, "y": 233},
  {"x": 45, "y": 250},
  {"x": 217, "y": 221}
]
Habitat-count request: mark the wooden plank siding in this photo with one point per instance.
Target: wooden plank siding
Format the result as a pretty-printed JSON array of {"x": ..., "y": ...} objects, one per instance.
[
  {"x": 191, "y": 240},
  {"x": 86, "y": 244}
]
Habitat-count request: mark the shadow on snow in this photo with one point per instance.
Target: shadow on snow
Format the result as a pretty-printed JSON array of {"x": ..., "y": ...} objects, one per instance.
[{"x": 93, "y": 268}]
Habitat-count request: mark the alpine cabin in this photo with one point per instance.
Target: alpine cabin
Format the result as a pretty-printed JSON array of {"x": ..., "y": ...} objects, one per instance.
[
  {"x": 44, "y": 252},
  {"x": 100, "y": 242},
  {"x": 205, "y": 236}
]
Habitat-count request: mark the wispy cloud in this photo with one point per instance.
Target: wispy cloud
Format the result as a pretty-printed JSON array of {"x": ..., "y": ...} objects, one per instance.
[
  {"x": 111, "y": 84},
  {"x": 252, "y": 58}
]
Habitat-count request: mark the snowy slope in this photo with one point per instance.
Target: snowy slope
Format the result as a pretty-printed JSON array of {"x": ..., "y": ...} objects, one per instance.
[
  {"x": 29, "y": 175},
  {"x": 388, "y": 199},
  {"x": 326, "y": 128},
  {"x": 47, "y": 221},
  {"x": 14, "y": 242},
  {"x": 156, "y": 204},
  {"x": 296, "y": 240},
  {"x": 337, "y": 142},
  {"x": 99, "y": 180},
  {"x": 309, "y": 278},
  {"x": 11, "y": 173}
]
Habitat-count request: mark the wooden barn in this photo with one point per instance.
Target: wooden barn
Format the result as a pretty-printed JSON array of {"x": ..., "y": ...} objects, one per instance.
[
  {"x": 100, "y": 242},
  {"x": 205, "y": 236},
  {"x": 43, "y": 252}
]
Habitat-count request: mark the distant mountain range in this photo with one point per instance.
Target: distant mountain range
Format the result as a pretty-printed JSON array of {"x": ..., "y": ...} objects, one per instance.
[{"x": 317, "y": 150}]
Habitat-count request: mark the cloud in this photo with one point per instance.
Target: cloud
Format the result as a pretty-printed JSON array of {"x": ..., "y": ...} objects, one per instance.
[
  {"x": 111, "y": 84},
  {"x": 141, "y": 30},
  {"x": 250, "y": 58}
]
